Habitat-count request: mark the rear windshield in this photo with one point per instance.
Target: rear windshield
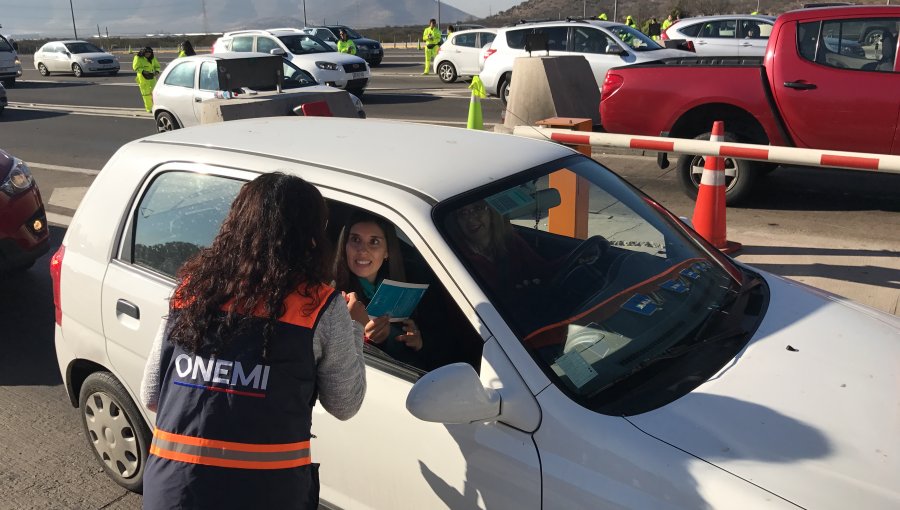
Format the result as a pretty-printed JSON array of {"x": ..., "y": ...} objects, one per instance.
[{"x": 303, "y": 44}]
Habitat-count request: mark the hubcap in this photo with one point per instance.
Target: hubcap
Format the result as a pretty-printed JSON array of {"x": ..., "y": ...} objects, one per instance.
[
  {"x": 77, "y": 70},
  {"x": 731, "y": 172},
  {"x": 111, "y": 434},
  {"x": 164, "y": 123},
  {"x": 446, "y": 72}
]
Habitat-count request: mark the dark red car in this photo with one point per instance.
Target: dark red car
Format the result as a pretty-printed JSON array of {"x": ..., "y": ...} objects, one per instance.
[{"x": 24, "y": 235}]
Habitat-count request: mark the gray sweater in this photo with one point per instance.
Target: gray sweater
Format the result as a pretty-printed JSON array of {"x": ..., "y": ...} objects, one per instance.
[{"x": 340, "y": 365}]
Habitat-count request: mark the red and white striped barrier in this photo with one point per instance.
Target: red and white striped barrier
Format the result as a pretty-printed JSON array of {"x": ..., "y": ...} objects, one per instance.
[{"x": 771, "y": 153}]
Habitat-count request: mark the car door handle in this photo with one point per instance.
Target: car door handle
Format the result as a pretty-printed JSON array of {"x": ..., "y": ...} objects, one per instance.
[
  {"x": 198, "y": 99},
  {"x": 128, "y": 308},
  {"x": 799, "y": 85}
]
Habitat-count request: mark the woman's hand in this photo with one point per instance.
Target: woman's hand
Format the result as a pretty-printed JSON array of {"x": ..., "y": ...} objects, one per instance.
[
  {"x": 377, "y": 329},
  {"x": 411, "y": 336},
  {"x": 356, "y": 308}
]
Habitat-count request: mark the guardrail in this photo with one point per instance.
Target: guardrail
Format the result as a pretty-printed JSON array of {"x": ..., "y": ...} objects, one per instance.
[{"x": 771, "y": 153}]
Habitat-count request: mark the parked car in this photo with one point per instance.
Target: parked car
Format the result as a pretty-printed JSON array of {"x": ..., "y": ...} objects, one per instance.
[
  {"x": 76, "y": 57},
  {"x": 820, "y": 86},
  {"x": 369, "y": 50},
  {"x": 306, "y": 51},
  {"x": 10, "y": 65},
  {"x": 603, "y": 43},
  {"x": 641, "y": 368},
  {"x": 738, "y": 35},
  {"x": 3, "y": 100},
  {"x": 459, "y": 27},
  {"x": 187, "y": 82},
  {"x": 460, "y": 54},
  {"x": 24, "y": 235}
]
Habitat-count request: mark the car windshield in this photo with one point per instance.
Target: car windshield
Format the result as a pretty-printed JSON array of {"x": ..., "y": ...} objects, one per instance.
[
  {"x": 352, "y": 34},
  {"x": 82, "y": 47},
  {"x": 294, "y": 77},
  {"x": 303, "y": 44},
  {"x": 634, "y": 38},
  {"x": 5, "y": 45},
  {"x": 605, "y": 288}
]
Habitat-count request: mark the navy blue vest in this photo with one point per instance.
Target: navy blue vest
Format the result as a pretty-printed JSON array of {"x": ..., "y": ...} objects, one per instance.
[{"x": 233, "y": 429}]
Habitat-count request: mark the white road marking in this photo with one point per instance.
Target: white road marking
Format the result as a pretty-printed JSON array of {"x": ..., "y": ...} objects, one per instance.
[
  {"x": 102, "y": 111},
  {"x": 67, "y": 197},
  {"x": 58, "y": 168},
  {"x": 59, "y": 219}
]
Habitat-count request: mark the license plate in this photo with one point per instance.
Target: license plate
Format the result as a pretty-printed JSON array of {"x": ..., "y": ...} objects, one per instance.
[{"x": 359, "y": 75}]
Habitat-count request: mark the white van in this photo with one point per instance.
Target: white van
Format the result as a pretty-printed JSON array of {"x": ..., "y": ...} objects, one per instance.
[{"x": 10, "y": 66}]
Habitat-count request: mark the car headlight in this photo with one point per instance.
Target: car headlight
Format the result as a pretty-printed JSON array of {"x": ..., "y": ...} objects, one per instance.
[
  {"x": 18, "y": 62},
  {"x": 88, "y": 60},
  {"x": 18, "y": 180},
  {"x": 362, "y": 46},
  {"x": 330, "y": 66}
]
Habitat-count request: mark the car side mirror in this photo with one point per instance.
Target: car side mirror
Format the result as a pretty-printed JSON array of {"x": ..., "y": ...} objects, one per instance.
[
  {"x": 615, "y": 49},
  {"x": 277, "y": 51},
  {"x": 453, "y": 394}
]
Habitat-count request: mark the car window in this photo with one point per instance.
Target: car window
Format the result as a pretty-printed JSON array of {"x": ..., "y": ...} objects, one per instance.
[
  {"x": 466, "y": 40},
  {"x": 242, "y": 44},
  {"x": 446, "y": 332},
  {"x": 719, "y": 29},
  {"x": 326, "y": 35},
  {"x": 487, "y": 38},
  {"x": 352, "y": 34},
  {"x": 209, "y": 76},
  {"x": 635, "y": 39},
  {"x": 5, "y": 45},
  {"x": 182, "y": 75},
  {"x": 590, "y": 40},
  {"x": 302, "y": 44},
  {"x": 556, "y": 37},
  {"x": 598, "y": 285},
  {"x": 515, "y": 39},
  {"x": 294, "y": 77},
  {"x": 266, "y": 44},
  {"x": 180, "y": 213},
  {"x": 691, "y": 30},
  {"x": 82, "y": 47},
  {"x": 857, "y": 44},
  {"x": 753, "y": 29}
]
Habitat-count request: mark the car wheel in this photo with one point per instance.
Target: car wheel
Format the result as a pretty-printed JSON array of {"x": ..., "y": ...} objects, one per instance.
[
  {"x": 9, "y": 83},
  {"x": 166, "y": 122},
  {"x": 79, "y": 72},
  {"x": 446, "y": 72},
  {"x": 740, "y": 175},
  {"x": 115, "y": 430},
  {"x": 43, "y": 69},
  {"x": 503, "y": 89},
  {"x": 113, "y": 73}
]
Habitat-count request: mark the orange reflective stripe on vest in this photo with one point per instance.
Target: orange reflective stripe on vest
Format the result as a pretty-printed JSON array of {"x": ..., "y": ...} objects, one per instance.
[{"x": 209, "y": 452}]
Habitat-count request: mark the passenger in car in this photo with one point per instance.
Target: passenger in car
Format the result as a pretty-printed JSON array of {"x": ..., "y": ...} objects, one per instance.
[{"x": 368, "y": 252}]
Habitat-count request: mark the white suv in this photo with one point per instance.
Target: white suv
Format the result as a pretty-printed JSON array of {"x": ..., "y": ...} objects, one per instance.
[
  {"x": 603, "y": 43},
  {"x": 306, "y": 51}
]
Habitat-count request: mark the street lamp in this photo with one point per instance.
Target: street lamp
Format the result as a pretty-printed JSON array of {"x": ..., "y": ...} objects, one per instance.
[{"x": 73, "y": 19}]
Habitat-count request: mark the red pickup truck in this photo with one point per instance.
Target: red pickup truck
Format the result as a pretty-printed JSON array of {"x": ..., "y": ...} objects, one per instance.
[{"x": 829, "y": 80}]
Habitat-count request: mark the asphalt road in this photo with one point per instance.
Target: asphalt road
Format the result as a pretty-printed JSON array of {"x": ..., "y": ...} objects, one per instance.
[{"x": 66, "y": 128}]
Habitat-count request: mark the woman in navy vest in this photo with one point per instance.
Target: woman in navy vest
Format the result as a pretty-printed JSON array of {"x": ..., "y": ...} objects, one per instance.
[{"x": 255, "y": 335}]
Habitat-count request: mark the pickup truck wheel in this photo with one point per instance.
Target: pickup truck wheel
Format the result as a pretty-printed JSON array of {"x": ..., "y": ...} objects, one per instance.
[{"x": 740, "y": 175}]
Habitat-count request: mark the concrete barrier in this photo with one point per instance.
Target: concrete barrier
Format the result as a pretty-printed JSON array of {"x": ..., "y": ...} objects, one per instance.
[
  {"x": 545, "y": 87},
  {"x": 273, "y": 104}
]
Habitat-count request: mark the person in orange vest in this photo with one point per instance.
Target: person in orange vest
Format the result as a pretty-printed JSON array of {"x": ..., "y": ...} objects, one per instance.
[{"x": 255, "y": 335}]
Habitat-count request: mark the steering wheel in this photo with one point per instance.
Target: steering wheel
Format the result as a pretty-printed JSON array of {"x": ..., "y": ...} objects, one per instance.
[{"x": 585, "y": 255}]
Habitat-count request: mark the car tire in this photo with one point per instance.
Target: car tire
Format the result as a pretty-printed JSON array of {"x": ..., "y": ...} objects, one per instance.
[
  {"x": 113, "y": 73},
  {"x": 503, "y": 89},
  {"x": 446, "y": 72},
  {"x": 77, "y": 70},
  {"x": 115, "y": 430},
  {"x": 741, "y": 175},
  {"x": 9, "y": 83},
  {"x": 43, "y": 69},
  {"x": 165, "y": 121},
  {"x": 374, "y": 62}
]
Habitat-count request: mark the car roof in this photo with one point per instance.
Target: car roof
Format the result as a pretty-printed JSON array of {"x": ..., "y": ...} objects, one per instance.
[
  {"x": 716, "y": 17},
  {"x": 468, "y": 30},
  {"x": 594, "y": 22},
  {"x": 436, "y": 161},
  {"x": 225, "y": 55},
  {"x": 841, "y": 11}
]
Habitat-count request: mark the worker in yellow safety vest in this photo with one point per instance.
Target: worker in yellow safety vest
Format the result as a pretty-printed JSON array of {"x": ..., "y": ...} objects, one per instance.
[
  {"x": 630, "y": 22},
  {"x": 432, "y": 38},
  {"x": 146, "y": 69},
  {"x": 345, "y": 44},
  {"x": 667, "y": 23},
  {"x": 602, "y": 16}
]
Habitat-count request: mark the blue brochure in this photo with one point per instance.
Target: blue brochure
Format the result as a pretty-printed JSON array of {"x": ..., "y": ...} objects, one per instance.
[{"x": 397, "y": 299}]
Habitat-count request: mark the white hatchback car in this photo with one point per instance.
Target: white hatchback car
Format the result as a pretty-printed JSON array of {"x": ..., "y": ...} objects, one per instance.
[
  {"x": 76, "y": 57},
  {"x": 459, "y": 55},
  {"x": 604, "y": 44},
  {"x": 730, "y": 35},
  {"x": 603, "y": 357},
  {"x": 189, "y": 81},
  {"x": 313, "y": 55}
]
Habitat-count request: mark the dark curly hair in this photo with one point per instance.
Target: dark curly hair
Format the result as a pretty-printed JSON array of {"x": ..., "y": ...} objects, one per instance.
[{"x": 271, "y": 243}]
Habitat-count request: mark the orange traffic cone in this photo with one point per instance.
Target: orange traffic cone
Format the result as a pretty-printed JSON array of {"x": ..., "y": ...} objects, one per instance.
[{"x": 709, "y": 212}]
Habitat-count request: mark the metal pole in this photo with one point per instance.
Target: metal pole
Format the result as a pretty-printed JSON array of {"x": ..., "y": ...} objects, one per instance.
[
  {"x": 73, "y": 19},
  {"x": 583, "y": 8},
  {"x": 615, "y": 10},
  {"x": 439, "y": 15},
  {"x": 304, "y": 14}
]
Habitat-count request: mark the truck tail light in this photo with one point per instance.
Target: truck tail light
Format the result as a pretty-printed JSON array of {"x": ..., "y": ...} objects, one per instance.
[
  {"x": 611, "y": 84},
  {"x": 55, "y": 275}
]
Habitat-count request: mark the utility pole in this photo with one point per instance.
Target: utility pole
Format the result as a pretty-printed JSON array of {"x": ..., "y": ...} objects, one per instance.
[
  {"x": 615, "y": 10},
  {"x": 71, "y": 8},
  {"x": 439, "y": 15},
  {"x": 304, "y": 14}
]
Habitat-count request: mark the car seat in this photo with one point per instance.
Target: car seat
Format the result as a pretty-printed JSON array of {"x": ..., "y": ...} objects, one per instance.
[{"x": 888, "y": 53}]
